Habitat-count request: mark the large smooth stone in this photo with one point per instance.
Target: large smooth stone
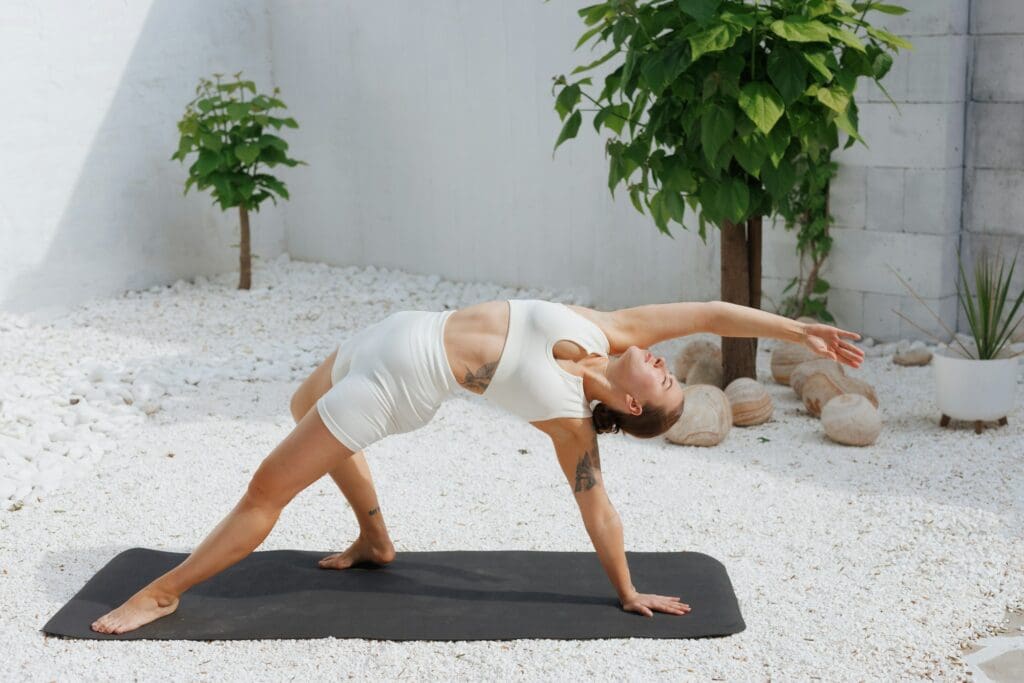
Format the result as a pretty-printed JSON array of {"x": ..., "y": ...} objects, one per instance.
[
  {"x": 706, "y": 417},
  {"x": 706, "y": 370},
  {"x": 851, "y": 419},
  {"x": 802, "y": 372},
  {"x": 785, "y": 357},
  {"x": 750, "y": 402},
  {"x": 693, "y": 352},
  {"x": 820, "y": 388}
]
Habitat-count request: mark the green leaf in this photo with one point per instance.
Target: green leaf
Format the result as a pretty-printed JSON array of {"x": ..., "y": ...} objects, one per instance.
[
  {"x": 659, "y": 211},
  {"x": 211, "y": 141},
  {"x": 778, "y": 143},
  {"x": 762, "y": 104},
  {"x": 846, "y": 37},
  {"x": 847, "y": 122},
  {"x": 238, "y": 110},
  {"x": 716, "y": 126},
  {"x": 567, "y": 100},
  {"x": 701, "y": 10},
  {"x": 895, "y": 10},
  {"x": 613, "y": 117},
  {"x": 674, "y": 205},
  {"x": 588, "y": 35},
  {"x": 676, "y": 176},
  {"x": 750, "y": 152},
  {"x": 801, "y": 30},
  {"x": 597, "y": 62},
  {"x": 267, "y": 140},
  {"x": 208, "y": 162},
  {"x": 569, "y": 130},
  {"x": 888, "y": 38},
  {"x": 818, "y": 60},
  {"x": 881, "y": 64},
  {"x": 788, "y": 72},
  {"x": 732, "y": 199},
  {"x": 835, "y": 98},
  {"x": 634, "y": 196},
  {"x": 820, "y": 286},
  {"x": 779, "y": 181},
  {"x": 715, "y": 39},
  {"x": 247, "y": 153}
]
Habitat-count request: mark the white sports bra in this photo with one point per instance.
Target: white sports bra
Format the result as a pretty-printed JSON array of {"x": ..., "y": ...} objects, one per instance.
[{"x": 528, "y": 381}]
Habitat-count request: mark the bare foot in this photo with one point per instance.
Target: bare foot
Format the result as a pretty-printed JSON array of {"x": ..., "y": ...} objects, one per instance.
[
  {"x": 140, "y": 609},
  {"x": 362, "y": 550}
]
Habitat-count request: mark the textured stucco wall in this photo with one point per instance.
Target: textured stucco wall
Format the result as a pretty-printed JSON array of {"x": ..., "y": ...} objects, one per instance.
[{"x": 89, "y": 202}]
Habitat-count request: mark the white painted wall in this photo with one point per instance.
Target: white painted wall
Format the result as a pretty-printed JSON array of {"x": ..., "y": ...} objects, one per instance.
[
  {"x": 429, "y": 129},
  {"x": 89, "y": 202}
]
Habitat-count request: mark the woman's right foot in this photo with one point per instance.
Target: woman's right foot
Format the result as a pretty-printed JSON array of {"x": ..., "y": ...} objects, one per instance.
[
  {"x": 142, "y": 608},
  {"x": 362, "y": 550}
]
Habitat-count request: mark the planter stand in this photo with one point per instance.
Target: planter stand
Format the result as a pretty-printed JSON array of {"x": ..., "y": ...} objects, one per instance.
[{"x": 978, "y": 424}]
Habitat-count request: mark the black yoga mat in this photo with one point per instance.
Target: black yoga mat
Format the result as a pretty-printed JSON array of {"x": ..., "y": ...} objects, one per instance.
[{"x": 444, "y": 595}]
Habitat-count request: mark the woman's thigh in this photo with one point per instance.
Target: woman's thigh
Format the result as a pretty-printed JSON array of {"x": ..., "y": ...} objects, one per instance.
[
  {"x": 313, "y": 387},
  {"x": 306, "y": 454}
]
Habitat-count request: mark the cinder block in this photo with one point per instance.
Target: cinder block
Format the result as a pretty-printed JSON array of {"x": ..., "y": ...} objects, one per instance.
[
  {"x": 945, "y": 308},
  {"x": 918, "y": 135},
  {"x": 879, "y": 320},
  {"x": 847, "y": 306},
  {"x": 778, "y": 252},
  {"x": 884, "y": 210},
  {"x": 860, "y": 260},
  {"x": 932, "y": 200},
  {"x": 934, "y": 71},
  {"x": 996, "y": 133},
  {"x": 994, "y": 201},
  {"x": 937, "y": 69},
  {"x": 847, "y": 196},
  {"x": 997, "y": 16},
  {"x": 996, "y": 76},
  {"x": 926, "y": 17}
]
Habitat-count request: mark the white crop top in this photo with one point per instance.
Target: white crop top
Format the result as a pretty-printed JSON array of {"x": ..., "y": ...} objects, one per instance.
[{"x": 528, "y": 381}]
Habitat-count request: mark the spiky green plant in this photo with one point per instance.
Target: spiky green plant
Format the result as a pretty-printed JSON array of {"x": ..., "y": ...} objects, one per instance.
[{"x": 990, "y": 319}]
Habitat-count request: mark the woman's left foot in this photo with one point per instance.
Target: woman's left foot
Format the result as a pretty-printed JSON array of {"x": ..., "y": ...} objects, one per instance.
[
  {"x": 362, "y": 550},
  {"x": 142, "y": 608}
]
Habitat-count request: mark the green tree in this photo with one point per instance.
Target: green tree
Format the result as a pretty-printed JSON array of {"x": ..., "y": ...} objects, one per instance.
[
  {"x": 720, "y": 106},
  {"x": 229, "y": 135}
]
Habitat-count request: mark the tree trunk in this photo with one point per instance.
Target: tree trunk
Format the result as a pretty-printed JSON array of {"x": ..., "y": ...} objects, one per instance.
[
  {"x": 741, "y": 284},
  {"x": 244, "y": 254}
]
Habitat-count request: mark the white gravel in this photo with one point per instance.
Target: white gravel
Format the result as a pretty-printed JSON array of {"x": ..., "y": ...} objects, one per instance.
[{"x": 849, "y": 564}]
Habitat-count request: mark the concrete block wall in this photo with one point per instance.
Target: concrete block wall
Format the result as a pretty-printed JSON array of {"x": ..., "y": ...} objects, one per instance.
[
  {"x": 898, "y": 201},
  {"x": 994, "y": 167}
]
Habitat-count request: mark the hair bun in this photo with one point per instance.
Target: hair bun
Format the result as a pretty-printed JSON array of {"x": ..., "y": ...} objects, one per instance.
[{"x": 605, "y": 419}]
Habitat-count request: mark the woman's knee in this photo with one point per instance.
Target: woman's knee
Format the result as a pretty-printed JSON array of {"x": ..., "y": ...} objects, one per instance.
[{"x": 266, "y": 491}]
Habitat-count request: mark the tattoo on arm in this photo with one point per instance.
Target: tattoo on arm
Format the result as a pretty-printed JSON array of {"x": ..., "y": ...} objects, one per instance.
[
  {"x": 587, "y": 468},
  {"x": 374, "y": 511},
  {"x": 480, "y": 379}
]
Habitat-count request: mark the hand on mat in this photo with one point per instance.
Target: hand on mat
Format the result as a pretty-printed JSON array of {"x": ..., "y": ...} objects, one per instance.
[
  {"x": 827, "y": 341},
  {"x": 643, "y": 603}
]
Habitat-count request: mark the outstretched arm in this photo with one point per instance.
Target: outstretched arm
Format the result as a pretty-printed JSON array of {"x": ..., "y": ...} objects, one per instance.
[{"x": 581, "y": 464}]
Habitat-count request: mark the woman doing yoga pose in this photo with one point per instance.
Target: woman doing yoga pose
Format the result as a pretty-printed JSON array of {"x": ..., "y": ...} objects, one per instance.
[{"x": 570, "y": 371}]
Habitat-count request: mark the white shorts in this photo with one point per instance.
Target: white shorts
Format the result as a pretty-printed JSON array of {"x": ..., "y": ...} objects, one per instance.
[{"x": 389, "y": 378}]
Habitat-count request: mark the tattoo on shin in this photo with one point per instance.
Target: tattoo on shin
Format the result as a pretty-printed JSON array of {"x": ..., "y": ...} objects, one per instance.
[
  {"x": 480, "y": 379},
  {"x": 587, "y": 468},
  {"x": 374, "y": 511}
]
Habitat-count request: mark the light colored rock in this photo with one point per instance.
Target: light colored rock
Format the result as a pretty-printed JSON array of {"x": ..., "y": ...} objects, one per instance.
[
  {"x": 787, "y": 356},
  {"x": 912, "y": 354},
  {"x": 706, "y": 417},
  {"x": 750, "y": 402},
  {"x": 851, "y": 419},
  {"x": 694, "y": 351},
  {"x": 821, "y": 387},
  {"x": 803, "y": 371},
  {"x": 706, "y": 370}
]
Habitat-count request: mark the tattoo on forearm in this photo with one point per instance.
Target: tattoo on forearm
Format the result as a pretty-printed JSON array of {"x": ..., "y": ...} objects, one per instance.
[
  {"x": 480, "y": 379},
  {"x": 587, "y": 469},
  {"x": 374, "y": 511}
]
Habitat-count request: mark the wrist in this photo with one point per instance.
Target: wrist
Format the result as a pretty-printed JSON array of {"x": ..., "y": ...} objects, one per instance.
[
  {"x": 628, "y": 594},
  {"x": 798, "y": 331}
]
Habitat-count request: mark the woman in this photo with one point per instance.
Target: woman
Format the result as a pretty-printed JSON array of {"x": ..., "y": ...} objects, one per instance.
[{"x": 546, "y": 362}]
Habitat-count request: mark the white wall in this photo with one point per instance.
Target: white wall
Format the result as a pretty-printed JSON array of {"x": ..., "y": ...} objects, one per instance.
[
  {"x": 429, "y": 129},
  {"x": 89, "y": 202}
]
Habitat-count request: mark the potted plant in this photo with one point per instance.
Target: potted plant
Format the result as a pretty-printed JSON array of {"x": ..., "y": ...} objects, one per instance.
[{"x": 978, "y": 381}]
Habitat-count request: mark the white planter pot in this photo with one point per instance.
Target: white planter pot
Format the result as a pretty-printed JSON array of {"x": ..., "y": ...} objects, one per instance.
[{"x": 968, "y": 389}]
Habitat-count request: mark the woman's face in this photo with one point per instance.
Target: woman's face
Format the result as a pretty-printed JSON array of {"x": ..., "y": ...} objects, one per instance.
[{"x": 645, "y": 377}]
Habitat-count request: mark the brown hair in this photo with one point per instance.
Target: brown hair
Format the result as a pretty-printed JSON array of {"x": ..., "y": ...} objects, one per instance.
[{"x": 649, "y": 423}]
